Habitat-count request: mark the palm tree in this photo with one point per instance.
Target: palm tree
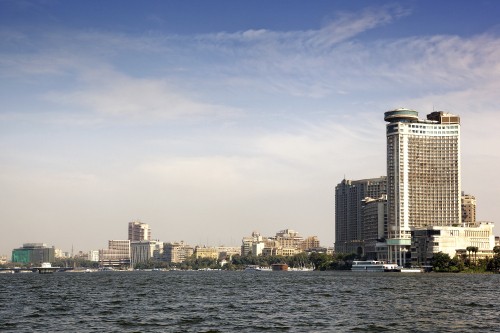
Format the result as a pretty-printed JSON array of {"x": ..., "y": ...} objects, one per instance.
[
  {"x": 475, "y": 249},
  {"x": 469, "y": 250}
]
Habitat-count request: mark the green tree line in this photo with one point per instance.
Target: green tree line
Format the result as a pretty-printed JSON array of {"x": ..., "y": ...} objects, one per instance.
[{"x": 467, "y": 262}]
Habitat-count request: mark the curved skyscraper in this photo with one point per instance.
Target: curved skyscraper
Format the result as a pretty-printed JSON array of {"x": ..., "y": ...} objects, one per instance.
[{"x": 423, "y": 175}]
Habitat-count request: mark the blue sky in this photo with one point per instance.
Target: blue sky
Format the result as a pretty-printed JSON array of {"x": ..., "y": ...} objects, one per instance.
[{"x": 211, "y": 119}]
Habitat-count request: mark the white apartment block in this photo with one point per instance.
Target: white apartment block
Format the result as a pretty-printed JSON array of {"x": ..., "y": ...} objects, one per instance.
[{"x": 93, "y": 255}]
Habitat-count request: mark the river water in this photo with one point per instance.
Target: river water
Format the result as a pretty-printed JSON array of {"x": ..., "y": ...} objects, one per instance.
[{"x": 220, "y": 301}]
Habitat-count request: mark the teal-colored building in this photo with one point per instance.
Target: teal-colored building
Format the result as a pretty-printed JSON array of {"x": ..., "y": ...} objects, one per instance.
[{"x": 33, "y": 253}]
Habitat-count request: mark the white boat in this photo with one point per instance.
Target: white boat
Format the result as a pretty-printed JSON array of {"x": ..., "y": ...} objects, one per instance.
[
  {"x": 300, "y": 269},
  {"x": 256, "y": 268},
  {"x": 412, "y": 270},
  {"x": 373, "y": 266}
]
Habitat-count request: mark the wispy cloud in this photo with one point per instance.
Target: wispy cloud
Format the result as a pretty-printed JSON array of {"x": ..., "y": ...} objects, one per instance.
[{"x": 117, "y": 95}]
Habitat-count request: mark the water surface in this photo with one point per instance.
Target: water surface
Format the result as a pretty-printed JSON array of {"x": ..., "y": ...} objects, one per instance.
[{"x": 219, "y": 301}]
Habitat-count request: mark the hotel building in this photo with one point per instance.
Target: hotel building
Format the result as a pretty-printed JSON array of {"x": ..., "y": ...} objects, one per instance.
[{"x": 423, "y": 176}]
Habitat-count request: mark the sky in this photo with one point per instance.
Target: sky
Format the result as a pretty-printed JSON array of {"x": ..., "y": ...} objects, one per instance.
[{"x": 209, "y": 120}]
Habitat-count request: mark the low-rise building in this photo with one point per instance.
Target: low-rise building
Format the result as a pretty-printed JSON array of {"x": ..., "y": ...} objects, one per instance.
[
  {"x": 116, "y": 255},
  {"x": 227, "y": 252},
  {"x": 285, "y": 243},
  {"x": 206, "y": 252},
  {"x": 33, "y": 253},
  {"x": 452, "y": 241},
  {"x": 141, "y": 251},
  {"x": 177, "y": 252}
]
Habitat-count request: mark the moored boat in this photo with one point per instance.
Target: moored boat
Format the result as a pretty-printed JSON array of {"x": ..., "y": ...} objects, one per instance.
[
  {"x": 279, "y": 267},
  {"x": 412, "y": 270},
  {"x": 373, "y": 266}
]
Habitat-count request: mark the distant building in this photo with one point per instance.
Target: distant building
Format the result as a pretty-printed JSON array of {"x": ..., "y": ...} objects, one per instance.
[
  {"x": 423, "y": 175},
  {"x": 311, "y": 242},
  {"x": 227, "y": 252},
  {"x": 33, "y": 253},
  {"x": 349, "y": 196},
  {"x": 142, "y": 251},
  {"x": 452, "y": 240},
  {"x": 206, "y": 252},
  {"x": 468, "y": 210},
  {"x": 288, "y": 238},
  {"x": 177, "y": 252},
  {"x": 247, "y": 243},
  {"x": 93, "y": 255},
  {"x": 138, "y": 231},
  {"x": 58, "y": 253},
  {"x": 116, "y": 255},
  {"x": 286, "y": 242},
  {"x": 374, "y": 231}
]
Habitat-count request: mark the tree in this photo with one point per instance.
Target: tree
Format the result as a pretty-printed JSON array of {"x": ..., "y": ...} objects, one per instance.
[
  {"x": 441, "y": 262},
  {"x": 469, "y": 251},
  {"x": 475, "y": 249}
]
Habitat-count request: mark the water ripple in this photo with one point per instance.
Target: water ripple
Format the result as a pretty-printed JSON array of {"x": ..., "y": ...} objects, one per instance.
[{"x": 248, "y": 302}]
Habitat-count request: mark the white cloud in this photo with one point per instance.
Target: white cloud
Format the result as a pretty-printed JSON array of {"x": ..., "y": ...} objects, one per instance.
[{"x": 147, "y": 100}]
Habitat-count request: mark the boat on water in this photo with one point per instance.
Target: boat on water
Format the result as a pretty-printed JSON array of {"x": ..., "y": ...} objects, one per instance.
[
  {"x": 279, "y": 267},
  {"x": 46, "y": 268},
  {"x": 256, "y": 268},
  {"x": 412, "y": 270},
  {"x": 300, "y": 269},
  {"x": 374, "y": 266}
]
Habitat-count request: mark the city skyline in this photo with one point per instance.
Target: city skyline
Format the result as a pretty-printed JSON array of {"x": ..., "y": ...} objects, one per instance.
[{"x": 209, "y": 120}]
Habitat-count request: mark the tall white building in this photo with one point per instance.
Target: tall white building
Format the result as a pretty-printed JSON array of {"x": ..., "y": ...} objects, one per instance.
[{"x": 423, "y": 175}]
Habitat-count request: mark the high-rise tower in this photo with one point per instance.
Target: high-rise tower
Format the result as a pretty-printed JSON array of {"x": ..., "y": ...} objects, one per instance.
[
  {"x": 423, "y": 175},
  {"x": 138, "y": 231},
  {"x": 349, "y": 196}
]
